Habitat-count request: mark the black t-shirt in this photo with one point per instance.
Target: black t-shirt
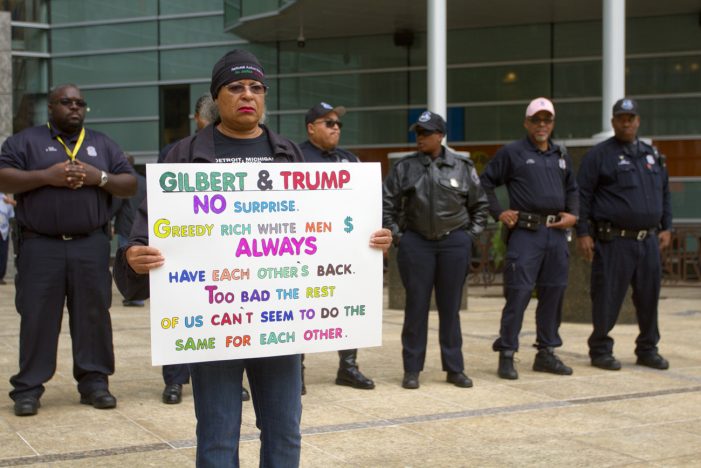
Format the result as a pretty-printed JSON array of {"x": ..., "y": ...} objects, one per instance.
[{"x": 242, "y": 150}]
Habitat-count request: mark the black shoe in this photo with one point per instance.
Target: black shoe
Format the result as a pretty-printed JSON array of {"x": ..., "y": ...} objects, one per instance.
[
  {"x": 653, "y": 360},
  {"x": 27, "y": 406},
  {"x": 352, "y": 377},
  {"x": 100, "y": 399},
  {"x": 506, "y": 366},
  {"x": 459, "y": 379},
  {"x": 547, "y": 361},
  {"x": 245, "y": 396},
  {"x": 172, "y": 394},
  {"x": 411, "y": 380},
  {"x": 606, "y": 362},
  {"x": 126, "y": 303}
]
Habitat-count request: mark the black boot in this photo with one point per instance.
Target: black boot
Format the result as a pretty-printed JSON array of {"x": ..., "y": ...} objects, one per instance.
[
  {"x": 506, "y": 365},
  {"x": 348, "y": 373},
  {"x": 547, "y": 361}
]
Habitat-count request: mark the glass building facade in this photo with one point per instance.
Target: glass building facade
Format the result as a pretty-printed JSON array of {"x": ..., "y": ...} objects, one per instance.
[{"x": 143, "y": 63}]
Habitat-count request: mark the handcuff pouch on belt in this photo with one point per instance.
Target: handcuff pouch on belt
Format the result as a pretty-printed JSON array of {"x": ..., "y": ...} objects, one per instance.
[{"x": 604, "y": 231}]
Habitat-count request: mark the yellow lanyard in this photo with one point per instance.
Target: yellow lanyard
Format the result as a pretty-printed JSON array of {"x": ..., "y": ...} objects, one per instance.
[{"x": 71, "y": 154}]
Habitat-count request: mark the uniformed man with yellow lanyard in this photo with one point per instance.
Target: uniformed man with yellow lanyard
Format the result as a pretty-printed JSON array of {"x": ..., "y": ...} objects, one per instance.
[{"x": 64, "y": 177}]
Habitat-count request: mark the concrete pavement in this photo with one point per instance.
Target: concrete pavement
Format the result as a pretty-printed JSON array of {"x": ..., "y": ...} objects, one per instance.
[{"x": 633, "y": 417}]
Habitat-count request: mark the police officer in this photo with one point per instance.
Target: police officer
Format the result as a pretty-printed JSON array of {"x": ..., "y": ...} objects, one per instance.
[
  {"x": 542, "y": 206},
  {"x": 435, "y": 206},
  {"x": 323, "y": 133},
  {"x": 626, "y": 219},
  {"x": 64, "y": 177}
]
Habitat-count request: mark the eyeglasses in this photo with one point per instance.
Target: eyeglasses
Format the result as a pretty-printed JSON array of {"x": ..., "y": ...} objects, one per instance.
[
  {"x": 331, "y": 123},
  {"x": 68, "y": 101},
  {"x": 240, "y": 88},
  {"x": 538, "y": 121},
  {"x": 422, "y": 132}
]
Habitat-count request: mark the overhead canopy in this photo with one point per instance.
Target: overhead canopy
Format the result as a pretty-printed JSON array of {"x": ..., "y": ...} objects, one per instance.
[{"x": 331, "y": 18}]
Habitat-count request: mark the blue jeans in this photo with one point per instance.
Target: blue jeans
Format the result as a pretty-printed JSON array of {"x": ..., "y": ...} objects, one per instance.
[{"x": 276, "y": 387}]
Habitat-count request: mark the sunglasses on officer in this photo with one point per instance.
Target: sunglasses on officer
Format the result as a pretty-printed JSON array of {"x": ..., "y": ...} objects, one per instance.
[
  {"x": 330, "y": 123},
  {"x": 76, "y": 102},
  {"x": 537, "y": 120}
]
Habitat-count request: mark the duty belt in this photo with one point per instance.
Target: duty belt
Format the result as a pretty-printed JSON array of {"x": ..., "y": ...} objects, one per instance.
[
  {"x": 531, "y": 221},
  {"x": 27, "y": 234},
  {"x": 607, "y": 232}
]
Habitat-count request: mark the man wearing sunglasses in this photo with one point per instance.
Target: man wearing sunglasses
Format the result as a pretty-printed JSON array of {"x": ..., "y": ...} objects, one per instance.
[
  {"x": 434, "y": 205},
  {"x": 323, "y": 133},
  {"x": 64, "y": 177},
  {"x": 543, "y": 204}
]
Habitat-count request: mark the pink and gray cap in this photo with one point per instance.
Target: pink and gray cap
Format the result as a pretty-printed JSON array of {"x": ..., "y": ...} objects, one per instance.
[{"x": 540, "y": 104}]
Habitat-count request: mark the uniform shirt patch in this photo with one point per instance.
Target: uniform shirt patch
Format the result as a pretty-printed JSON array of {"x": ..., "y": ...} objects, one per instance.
[
  {"x": 650, "y": 159},
  {"x": 475, "y": 178},
  {"x": 623, "y": 162},
  {"x": 563, "y": 164},
  {"x": 454, "y": 183},
  {"x": 91, "y": 151}
]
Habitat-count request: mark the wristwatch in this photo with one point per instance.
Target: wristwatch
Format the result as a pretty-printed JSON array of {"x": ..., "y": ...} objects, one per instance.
[{"x": 103, "y": 179}]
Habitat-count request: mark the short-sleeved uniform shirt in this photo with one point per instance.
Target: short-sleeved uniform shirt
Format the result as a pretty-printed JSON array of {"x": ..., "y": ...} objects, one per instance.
[{"x": 52, "y": 210}]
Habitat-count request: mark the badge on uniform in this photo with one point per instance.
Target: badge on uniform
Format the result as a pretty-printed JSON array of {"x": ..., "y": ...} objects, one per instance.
[
  {"x": 563, "y": 164},
  {"x": 91, "y": 151},
  {"x": 475, "y": 178},
  {"x": 650, "y": 159},
  {"x": 454, "y": 183}
]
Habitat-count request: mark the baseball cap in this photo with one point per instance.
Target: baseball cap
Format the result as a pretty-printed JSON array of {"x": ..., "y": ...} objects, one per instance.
[
  {"x": 429, "y": 121},
  {"x": 540, "y": 104},
  {"x": 625, "y": 106},
  {"x": 321, "y": 110},
  {"x": 237, "y": 64}
]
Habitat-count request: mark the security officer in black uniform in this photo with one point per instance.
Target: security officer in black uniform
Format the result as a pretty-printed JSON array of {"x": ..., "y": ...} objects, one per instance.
[
  {"x": 323, "y": 133},
  {"x": 64, "y": 177},
  {"x": 626, "y": 219},
  {"x": 435, "y": 206},
  {"x": 543, "y": 204}
]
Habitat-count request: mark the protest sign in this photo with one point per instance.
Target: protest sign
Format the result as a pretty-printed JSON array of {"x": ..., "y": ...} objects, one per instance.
[{"x": 263, "y": 259}]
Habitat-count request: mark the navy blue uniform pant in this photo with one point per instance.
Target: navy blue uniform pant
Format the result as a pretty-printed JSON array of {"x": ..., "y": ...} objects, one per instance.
[
  {"x": 618, "y": 264},
  {"x": 537, "y": 259},
  {"x": 176, "y": 374},
  {"x": 425, "y": 265},
  {"x": 4, "y": 248},
  {"x": 50, "y": 273}
]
